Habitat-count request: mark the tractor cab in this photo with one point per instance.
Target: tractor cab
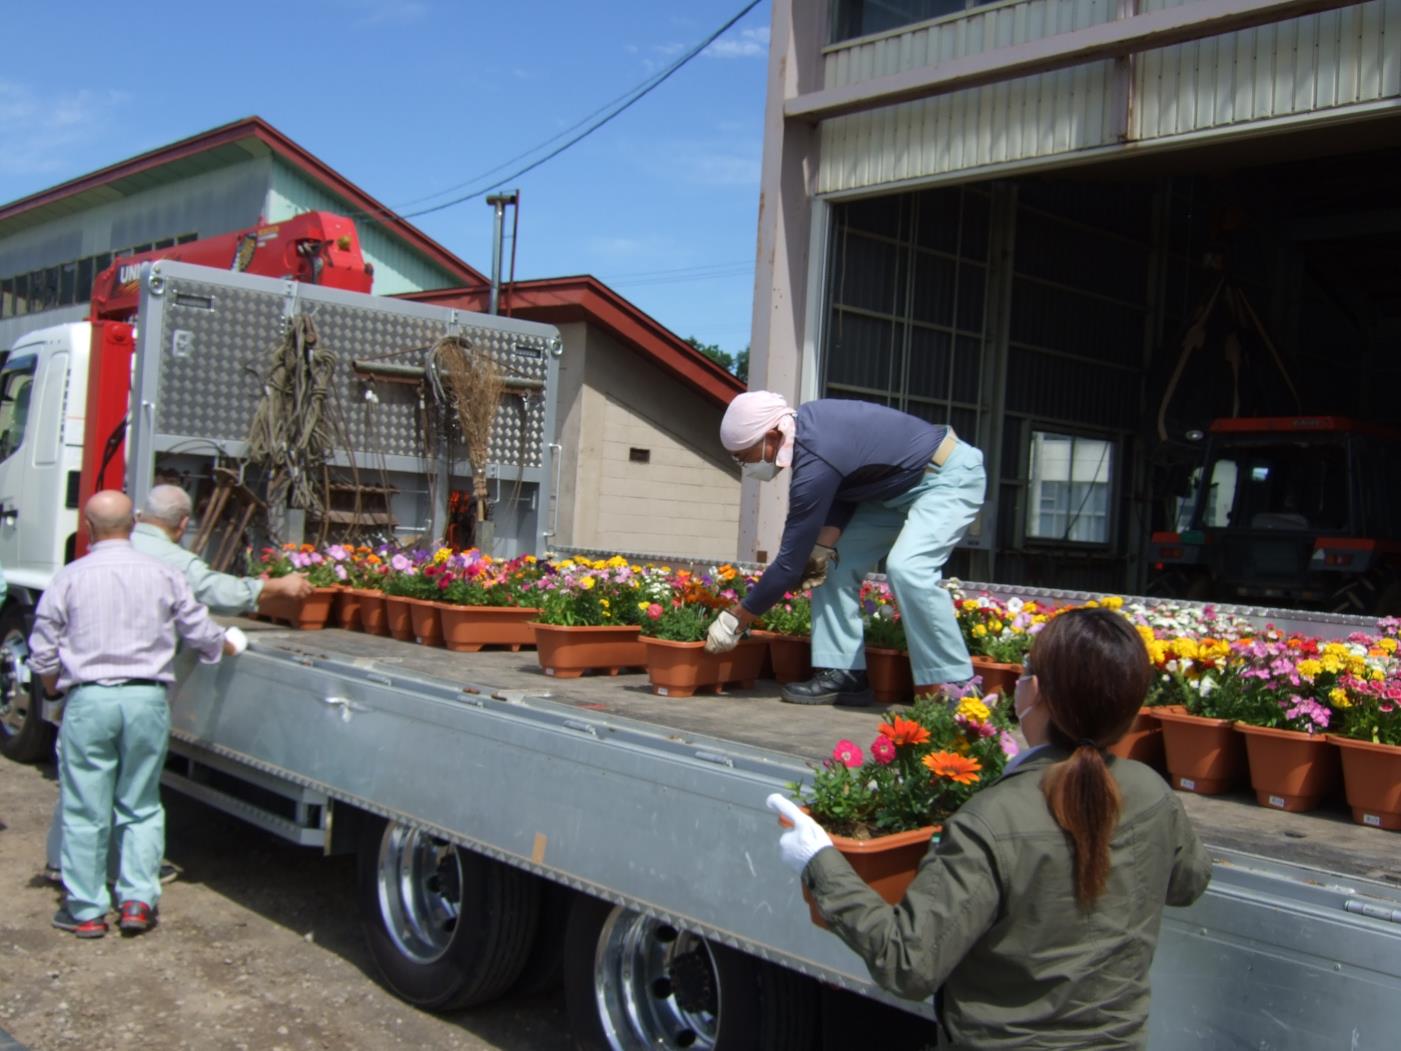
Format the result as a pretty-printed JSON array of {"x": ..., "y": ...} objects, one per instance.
[{"x": 1289, "y": 511}]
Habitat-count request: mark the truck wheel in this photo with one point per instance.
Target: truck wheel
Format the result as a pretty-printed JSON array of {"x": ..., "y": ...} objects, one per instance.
[
  {"x": 24, "y": 736},
  {"x": 633, "y": 983},
  {"x": 544, "y": 969},
  {"x": 448, "y": 928}
]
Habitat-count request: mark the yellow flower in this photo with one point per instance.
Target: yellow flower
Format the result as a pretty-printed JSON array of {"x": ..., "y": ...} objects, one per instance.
[
  {"x": 978, "y": 631},
  {"x": 643, "y": 606},
  {"x": 587, "y": 583},
  {"x": 603, "y": 602},
  {"x": 1113, "y": 602},
  {"x": 616, "y": 562},
  {"x": 972, "y": 708},
  {"x": 1339, "y": 698},
  {"x": 1388, "y": 644},
  {"x": 995, "y": 626},
  {"x": 1309, "y": 669},
  {"x": 441, "y": 555}
]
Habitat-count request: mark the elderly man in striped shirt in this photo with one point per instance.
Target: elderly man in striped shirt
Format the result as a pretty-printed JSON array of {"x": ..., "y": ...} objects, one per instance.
[{"x": 105, "y": 633}]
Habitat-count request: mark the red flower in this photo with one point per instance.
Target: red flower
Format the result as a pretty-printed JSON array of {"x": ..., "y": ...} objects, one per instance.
[
  {"x": 883, "y": 750},
  {"x": 848, "y": 754}
]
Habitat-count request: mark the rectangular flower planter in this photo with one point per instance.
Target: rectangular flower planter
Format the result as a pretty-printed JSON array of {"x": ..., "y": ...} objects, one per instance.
[
  {"x": 466, "y": 629},
  {"x": 305, "y": 614},
  {"x": 791, "y": 655},
  {"x": 398, "y": 617},
  {"x": 427, "y": 629},
  {"x": 346, "y": 612},
  {"x": 1372, "y": 780},
  {"x": 373, "y": 617},
  {"x": 679, "y": 669},
  {"x": 1205, "y": 756},
  {"x": 996, "y": 675},
  {"x": 1143, "y": 741},
  {"x": 887, "y": 864},
  {"x": 1290, "y": 770},
  {"x": 892, "y": 678},
  {"x": 567, "y": 652}
]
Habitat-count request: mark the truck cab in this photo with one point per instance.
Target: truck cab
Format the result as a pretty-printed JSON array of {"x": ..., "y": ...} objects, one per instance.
[
  {"x": 43, "y": 391},
  {"x": 1300, "y": 511}
]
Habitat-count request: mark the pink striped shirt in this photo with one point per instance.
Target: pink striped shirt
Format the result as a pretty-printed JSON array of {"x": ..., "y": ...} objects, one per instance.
[{"x": 113, "y": 615}]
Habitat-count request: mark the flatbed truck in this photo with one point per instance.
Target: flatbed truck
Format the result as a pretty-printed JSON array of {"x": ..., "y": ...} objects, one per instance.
[{"x": 512, "y": 828}]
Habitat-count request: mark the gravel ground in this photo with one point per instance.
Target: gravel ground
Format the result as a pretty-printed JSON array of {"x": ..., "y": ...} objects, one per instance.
[{"x": 259, "y": 947}]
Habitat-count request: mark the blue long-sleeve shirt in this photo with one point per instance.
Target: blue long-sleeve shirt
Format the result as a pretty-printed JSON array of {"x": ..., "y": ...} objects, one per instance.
[{"x": 844, "y": 453}]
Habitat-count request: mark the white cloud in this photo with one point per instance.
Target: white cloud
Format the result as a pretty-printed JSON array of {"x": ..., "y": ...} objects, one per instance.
[
  {"x": 747, "y": 43},
  {"x": 43, "y": 134}
]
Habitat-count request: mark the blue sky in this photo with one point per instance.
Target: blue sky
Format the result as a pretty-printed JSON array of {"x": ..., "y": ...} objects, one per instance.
[{"x": 409, "y": 97}]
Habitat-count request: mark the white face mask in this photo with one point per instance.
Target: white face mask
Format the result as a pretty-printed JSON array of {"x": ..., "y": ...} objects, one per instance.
[{"x": 760, "y": 471}]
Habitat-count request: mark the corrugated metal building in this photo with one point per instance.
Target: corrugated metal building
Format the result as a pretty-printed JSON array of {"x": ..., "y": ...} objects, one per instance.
[
  {"x": 1007, "y": 215},
  {"x": 642, "y": 467}
]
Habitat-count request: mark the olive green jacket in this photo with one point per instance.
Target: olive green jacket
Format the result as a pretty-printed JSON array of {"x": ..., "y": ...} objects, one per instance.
[{"x": 991, "y": 916}]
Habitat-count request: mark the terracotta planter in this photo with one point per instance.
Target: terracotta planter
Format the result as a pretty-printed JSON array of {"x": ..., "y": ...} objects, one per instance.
[
  {"x": 1372, "y": 779},
  {"x": 398, "y": 617},
  {"x": 568, "y": 652},
  {"x": 887, "y": 864},
  {"x": 305, "y": 614},
  {"x": 996, "y": 675},
  {"x": 679, "y": 669},
  {"x": 466, "y": 629},
  {"x": 892, "y": 679},
  {"x": 373, "y": 616},
  {"x": 1289, "y": 770},
  {"x": 427, "y": 629},
  {"x": 1143, "y": 741},
  {"x": 789, "y": 655},
  {"x": 1205, "y": 756},
  {"x": 346, "y": 613}
]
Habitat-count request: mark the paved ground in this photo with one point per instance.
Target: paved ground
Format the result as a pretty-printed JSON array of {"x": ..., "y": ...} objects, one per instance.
[{"x": 259, "y": 948}]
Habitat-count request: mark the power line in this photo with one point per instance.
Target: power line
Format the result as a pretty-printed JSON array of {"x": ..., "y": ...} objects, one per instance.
[
  {"x": 630, "y": 99},
  {"x": 675, "y": 280},
  {"x": 698, "y": 267}
]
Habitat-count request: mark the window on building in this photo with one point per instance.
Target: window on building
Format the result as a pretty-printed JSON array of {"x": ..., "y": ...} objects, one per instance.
[
  {"x": 854, "y": 18},
  {"x": 67, "y": 284},
  {"x": 1069, "y": 488},
  {"x": 16, "y": 386}
]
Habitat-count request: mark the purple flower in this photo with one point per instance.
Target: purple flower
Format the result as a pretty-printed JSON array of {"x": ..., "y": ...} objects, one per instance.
[{"x": 400, "y": 564}]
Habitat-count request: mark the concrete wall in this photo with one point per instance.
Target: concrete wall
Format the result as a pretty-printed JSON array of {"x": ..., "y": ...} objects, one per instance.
[{"x": 684, "y": 500}]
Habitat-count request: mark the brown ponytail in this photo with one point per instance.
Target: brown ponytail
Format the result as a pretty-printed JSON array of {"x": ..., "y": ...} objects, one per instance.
[{"x": 1092, "y": 673}]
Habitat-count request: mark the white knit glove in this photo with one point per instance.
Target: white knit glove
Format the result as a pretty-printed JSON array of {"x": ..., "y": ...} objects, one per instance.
[
  {"x": 235, "y": 641},
  {"x": 815, "y": 572},
  {"x": 724, "y": 633},
  {"x": 797, "y": 846}
]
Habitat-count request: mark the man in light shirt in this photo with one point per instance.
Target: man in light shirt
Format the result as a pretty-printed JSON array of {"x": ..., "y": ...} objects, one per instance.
[
  {"x": 105, "y": 635},
  {"x": 165, "y": 516}
]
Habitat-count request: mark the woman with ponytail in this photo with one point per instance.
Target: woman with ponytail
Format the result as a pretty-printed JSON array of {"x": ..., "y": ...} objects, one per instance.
[{"x": 1036, "y": 914}]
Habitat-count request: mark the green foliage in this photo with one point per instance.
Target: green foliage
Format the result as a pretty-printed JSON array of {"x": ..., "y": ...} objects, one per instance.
[
  {"x": 791, "y": 616},
  {"x": 411, "y": 584},
  {"x": 683, "y": 623}
]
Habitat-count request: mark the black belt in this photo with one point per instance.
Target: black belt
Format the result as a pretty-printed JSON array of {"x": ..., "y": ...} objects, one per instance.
[{"x": 123, "y": 682}]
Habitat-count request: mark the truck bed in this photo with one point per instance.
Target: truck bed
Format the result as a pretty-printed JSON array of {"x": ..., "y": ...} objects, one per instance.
[{"x": 1326, "y": 839}]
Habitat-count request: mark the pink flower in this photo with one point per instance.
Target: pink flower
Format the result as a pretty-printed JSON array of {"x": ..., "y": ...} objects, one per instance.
[
  {"x": 848, "y": 754},
  {"x": 399, "y": 563},
  {"x": 341, "y": 573},
  {"x": 1009, "y": 744},
  {"x": 654, "y": 611},
  {"x": 883, "y": 750}
]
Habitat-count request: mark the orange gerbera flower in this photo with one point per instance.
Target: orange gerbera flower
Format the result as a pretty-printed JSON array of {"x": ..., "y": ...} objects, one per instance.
[
  {"x": 904, "y": 731},
  {"x": 953, "y": 766}
]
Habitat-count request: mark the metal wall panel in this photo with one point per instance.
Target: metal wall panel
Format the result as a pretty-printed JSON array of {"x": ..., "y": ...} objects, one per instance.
[
  {"x": 1033, "y": 116},
  {"x": 1318, "y": 64},
  {"x": 1303, "y": 65}
]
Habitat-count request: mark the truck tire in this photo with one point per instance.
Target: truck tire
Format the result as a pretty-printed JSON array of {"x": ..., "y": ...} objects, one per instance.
[
  {"x": 448, "y": 928},
  {"x": 24, "y": 735},
  {"x": 633, "y": 983},
  {"x": 544, "y": 969}
]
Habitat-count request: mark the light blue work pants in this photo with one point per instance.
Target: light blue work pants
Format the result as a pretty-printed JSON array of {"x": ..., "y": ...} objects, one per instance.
[
  {"x": 114, "y": 741},
  {"x": 915, "y": 532},
  {"x": 53, "y": 843}
]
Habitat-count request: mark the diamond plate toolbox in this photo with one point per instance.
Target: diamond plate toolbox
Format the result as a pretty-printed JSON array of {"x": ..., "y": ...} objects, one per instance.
[{"x": 220, "y": 334}]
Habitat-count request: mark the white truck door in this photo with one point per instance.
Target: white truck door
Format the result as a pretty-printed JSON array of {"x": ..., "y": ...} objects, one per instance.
[
  {"x": 41, "y": 536},
  {"x": 16, "y": 423}
]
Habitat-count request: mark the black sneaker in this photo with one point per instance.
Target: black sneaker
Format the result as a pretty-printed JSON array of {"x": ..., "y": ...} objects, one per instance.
[
  {"x": 830, "y": 686},
  {"x": 93, "y": 928}
]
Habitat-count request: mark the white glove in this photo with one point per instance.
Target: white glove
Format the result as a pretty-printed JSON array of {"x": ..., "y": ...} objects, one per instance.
[
  {"x": 797, "y": 846},
  {"x": 235, "y": 642},
  {"x": 815, "y": 572},
  {"x": 724, "y": 633}
]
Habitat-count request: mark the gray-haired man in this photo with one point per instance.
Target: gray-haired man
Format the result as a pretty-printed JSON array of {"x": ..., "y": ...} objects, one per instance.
[{"x": 164, "y": 517}]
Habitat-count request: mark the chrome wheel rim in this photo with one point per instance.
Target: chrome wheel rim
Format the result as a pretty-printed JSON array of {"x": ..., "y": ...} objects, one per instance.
[
  {"x": 420, "y": 892},
  {"x": 655, "y": 986},
  {"x": 15, "y": 695}
]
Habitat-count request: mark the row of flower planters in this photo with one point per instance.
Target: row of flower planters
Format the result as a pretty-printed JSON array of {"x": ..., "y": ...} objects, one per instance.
[{"x": 1287, "y": 770}]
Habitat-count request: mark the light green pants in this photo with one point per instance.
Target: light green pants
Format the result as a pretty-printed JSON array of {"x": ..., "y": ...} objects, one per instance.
[
  {"x": 915, "y": 533},
  {"x": 114, "y": 740}
]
